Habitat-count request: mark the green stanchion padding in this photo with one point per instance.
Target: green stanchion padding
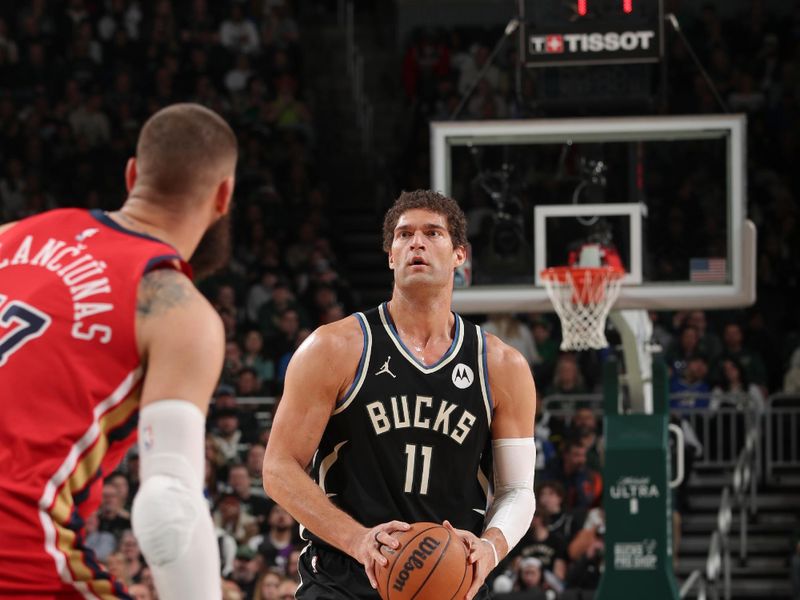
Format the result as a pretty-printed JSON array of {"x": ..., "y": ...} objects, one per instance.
[{"x": 637, "y": 498}]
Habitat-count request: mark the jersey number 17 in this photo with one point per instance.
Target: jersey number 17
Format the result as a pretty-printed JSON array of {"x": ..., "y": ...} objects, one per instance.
[{"x": 24, "y": 323}]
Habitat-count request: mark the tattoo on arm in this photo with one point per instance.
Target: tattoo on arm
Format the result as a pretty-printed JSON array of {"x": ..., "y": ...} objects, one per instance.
[{"x": 161, "y": 290}]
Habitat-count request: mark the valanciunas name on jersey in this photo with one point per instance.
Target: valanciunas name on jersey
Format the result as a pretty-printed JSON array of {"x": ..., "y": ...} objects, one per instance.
[
  {"x": 419, "y": 412},
  {"x": 79, "y": 271}
]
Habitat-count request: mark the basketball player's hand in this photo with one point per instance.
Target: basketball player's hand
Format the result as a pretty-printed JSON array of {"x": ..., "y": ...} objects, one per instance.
[
  {"x": 479, "y": 554},
  {"x": 368, "y": 547}
]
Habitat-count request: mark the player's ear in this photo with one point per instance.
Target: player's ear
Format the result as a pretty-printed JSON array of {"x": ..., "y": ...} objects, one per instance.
[
  {"x": 391, "y": 260},
  {"x": 130, "y": 173},
  {"x": 222, "y": 201},
  {"x": 460, "y": 254}
]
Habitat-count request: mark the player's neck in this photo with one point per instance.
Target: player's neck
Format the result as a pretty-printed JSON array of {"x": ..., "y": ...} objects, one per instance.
[
  {"x": 424, "y": 318},
  {"x": 177, "y": 230}
]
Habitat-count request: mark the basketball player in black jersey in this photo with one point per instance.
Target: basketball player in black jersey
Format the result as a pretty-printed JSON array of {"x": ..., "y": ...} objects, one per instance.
[{"x": 404, "y": 413}]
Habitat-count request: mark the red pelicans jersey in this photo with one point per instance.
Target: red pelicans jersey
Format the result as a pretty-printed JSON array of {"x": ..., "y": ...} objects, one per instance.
[{"x": 70, "y": 380}]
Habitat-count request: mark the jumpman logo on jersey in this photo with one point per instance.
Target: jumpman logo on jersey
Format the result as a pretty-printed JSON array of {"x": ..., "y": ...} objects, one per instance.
[{"x": 385, "y": 368}]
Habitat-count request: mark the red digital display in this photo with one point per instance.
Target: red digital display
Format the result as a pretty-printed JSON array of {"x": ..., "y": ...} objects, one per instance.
[{"x": 582, "y": 7}]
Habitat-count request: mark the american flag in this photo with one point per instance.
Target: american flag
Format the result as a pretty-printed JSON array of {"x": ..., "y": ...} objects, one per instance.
[{"x": 707, "y": 270}]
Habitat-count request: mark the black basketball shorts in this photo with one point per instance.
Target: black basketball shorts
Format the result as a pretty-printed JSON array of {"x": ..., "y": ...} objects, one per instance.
[{"x": 327, "y": 574}]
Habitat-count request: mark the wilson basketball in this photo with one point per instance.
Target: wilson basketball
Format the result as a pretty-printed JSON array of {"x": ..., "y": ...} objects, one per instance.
[{"x": 430, "y": 564}]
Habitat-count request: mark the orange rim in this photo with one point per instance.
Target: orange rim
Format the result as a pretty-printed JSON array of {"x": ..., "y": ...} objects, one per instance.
[{"x": 559, "y": 274}]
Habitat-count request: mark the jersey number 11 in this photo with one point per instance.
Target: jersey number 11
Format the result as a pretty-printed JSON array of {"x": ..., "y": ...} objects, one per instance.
[{"x": 411, "y": 457}]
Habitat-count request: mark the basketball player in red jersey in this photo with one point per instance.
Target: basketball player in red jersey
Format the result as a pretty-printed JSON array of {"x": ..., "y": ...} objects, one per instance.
[
  {"x": 398, "y": 410},
  {"x": 101, "y": 329}
]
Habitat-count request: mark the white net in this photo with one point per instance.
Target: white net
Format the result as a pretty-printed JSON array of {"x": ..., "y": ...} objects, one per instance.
[{"x": 583, "y": 297}]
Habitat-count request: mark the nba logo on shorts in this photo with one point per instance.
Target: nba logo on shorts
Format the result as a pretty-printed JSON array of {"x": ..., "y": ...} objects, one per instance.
[{"x": 462, "y": 376}]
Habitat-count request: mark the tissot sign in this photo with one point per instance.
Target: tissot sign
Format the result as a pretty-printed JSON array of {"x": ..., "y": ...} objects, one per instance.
[{"x": 584, "y": 45}]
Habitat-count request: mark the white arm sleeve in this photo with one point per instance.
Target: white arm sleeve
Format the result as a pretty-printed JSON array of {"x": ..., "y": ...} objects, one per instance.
[
  {"x": 170, "y": 517},
  {"x": 514, "y": 502}
]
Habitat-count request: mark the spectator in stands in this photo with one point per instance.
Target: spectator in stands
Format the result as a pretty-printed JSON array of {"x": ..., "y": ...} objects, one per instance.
[
  {"x": 248, "y": 384},
  {"x": 686, "y": 346},
  {"x": 233, "y": 361},
  {"x": 708, "y": 342},
  {"x": 277, "y": 543},
  {"x": 298, "y": 254},
  {"x": 691, "y": 389},
  {"x": 531, "y": 578},
  {"x": 267, "y": 586},
  {"x": 514, "y": 333},
  {"x": 89, "y": 122},
  {"x": 239, "y": 484},
  {"x": 253, "y": 357},
  {"x": 254, "y": 462},
  {"x": 292, "y": 565},
  {"x": 102, "y": 543},
  {"x": 735, "y": 388},
  {"x": 287, "y": 112},
  {"x": 113, "y": 516},
  {"x": 120, "y": 481},
  {"x": 286, "y": 589},
  {"x": 235, "y": 521},
  {"x": 237, "y": 78},
  {"x": 226, "y": 398},
  {"x": 139, "y": 591},
  {"x": 260, "y": 293},
  {"x": 116, "y": 566},
  {"x": 279, "y": 27},
  {"x": 227, "y": 435},
  {"x": 583, "y": 487},
  {"x": 470, "y": 68},
  {"x": 584, "y": 428},
  {"x": 562, "y": 523},
  {"x": 546, "y": 348},
  {"x": 225, "y": 300},
  {"x": 269, "y": 314},
  {"x": 238, "y": 34},
  {"x": 733, "y": 347},
  {"x": 129, "y": 548},
  {"x": 567, "y": 378},
  {"x": 587, "y": 552},
  {"x": 549, "y": 548},
  {"x": 245, "y": 570}
]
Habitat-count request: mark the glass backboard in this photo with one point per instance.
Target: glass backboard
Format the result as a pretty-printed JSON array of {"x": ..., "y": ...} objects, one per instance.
[{"x": 668, "y": 194}]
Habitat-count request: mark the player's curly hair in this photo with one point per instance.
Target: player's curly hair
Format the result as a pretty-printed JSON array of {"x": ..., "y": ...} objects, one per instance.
[{"x": 428, "y": 200}]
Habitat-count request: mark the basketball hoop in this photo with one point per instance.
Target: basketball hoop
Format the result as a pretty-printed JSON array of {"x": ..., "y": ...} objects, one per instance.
[{"x": 583, "y": 297}]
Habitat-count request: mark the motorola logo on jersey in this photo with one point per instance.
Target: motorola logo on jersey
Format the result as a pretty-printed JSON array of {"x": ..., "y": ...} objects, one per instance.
[{"x": 462, "y": 376}]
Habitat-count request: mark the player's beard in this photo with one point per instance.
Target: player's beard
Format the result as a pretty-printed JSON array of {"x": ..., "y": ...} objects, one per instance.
[{"x": 214, "y": 250}]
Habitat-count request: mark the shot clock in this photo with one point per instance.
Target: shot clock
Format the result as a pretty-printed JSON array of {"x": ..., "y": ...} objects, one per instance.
[{"x": 591, "y": 32}]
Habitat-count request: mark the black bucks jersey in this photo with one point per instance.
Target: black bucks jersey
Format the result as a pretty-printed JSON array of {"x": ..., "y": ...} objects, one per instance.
[{"x": 411, "y": 441}]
